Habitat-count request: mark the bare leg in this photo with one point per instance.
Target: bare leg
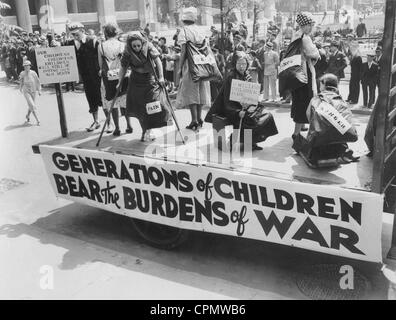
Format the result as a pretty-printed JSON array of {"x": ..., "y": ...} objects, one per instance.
[
  {"x": 36, "y": 117},
  {"x": 194, "y": 115},
  {"x": 128, "y": 122},
  {"x": 95, "y": 116},
  {"x": 199, "y": 112},
  {"x": 28, "y": 115}
]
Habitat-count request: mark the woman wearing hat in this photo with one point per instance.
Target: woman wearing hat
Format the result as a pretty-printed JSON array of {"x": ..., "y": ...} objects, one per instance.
[
  {"x": 192, "y": 94},
  {"x": 143, "y": 89},
  {"x": 29, "y": 86},
  {"x": 309, "y": 54},
  {"x": 235, "y": 111}
]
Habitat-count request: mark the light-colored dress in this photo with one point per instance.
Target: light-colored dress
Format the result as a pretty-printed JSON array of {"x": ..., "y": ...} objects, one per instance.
[
  {"x": 190, "y": 92},
  {"x": 111, "y": 49},
  {"x": 30, "y": 84}
]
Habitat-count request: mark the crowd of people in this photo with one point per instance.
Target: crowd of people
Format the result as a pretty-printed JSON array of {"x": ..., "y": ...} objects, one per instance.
[{"x": 136, "y": 66}]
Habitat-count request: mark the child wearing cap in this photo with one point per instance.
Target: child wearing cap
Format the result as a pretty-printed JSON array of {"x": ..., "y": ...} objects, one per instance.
[{"x": 29, "y": 86}]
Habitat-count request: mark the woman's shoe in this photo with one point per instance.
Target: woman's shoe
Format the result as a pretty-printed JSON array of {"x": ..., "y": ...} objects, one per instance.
[
  {"x": 129, "y": 130},
  {"x": 193, "y": 126},
  {"x": 109, "y": 128},
  {"x": 255, "y": 147},
  {"x": 200, "y": 123},
  {"x": 95, "y": 125},
  {"x": 27, "y": 119},
  {"x": 117, "y": 132}
]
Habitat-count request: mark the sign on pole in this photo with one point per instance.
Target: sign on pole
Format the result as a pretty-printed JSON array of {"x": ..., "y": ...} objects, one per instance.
[
  {"x": 56, "y": 65},
  {"x": 245, "y": 92}
]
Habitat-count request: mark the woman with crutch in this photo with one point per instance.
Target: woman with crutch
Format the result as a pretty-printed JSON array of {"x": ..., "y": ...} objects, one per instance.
[{"x": 143, "y": 94}]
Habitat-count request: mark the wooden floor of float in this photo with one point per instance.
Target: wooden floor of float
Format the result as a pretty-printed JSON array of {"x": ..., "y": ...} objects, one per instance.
[{"x": 277, "y": 159}]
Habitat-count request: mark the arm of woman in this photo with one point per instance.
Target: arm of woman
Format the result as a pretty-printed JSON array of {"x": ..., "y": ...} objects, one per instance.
[
  {"x": 232, "y": 109},
  {"x": 182, "y": 59},
  {"x": 158, "y": 63},
  {"x": 100, "y": 59}
]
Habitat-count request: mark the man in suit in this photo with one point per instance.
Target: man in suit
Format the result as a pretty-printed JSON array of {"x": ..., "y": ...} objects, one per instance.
[
  {"x": 378, "y": 60},
  {"x": 361, "y": 30},
  {"x": 369, "y": 80},
  {"x": 337, "y": 61}
]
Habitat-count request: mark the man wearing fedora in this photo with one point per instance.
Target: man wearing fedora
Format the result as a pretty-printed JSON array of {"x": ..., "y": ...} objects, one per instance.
[
  {"x": 337, "y": 61},
  {"x": 369, "y": 80}
]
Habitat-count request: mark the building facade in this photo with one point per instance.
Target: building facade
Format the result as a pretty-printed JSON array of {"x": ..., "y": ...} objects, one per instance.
[{"x": 54, "y": 14}]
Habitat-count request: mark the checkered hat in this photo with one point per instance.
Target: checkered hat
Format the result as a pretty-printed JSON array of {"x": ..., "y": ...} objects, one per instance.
[{"x": 304, "y": 19}]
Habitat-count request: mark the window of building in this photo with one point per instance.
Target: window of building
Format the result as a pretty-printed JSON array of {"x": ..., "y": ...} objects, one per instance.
[
  {"x": 32, "y": 7},
  {"x": 125, "y": 5},
  {"x": 86, "y": 6}
]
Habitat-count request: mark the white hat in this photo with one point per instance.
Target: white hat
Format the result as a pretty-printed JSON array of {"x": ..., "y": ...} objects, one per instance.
[{"x": 189, "y": 14}]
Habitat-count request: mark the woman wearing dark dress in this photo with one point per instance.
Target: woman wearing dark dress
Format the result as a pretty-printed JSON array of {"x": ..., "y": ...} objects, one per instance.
[
  {"x": 356, "y": 70},
  {"x": 88, "y": 67},
  {"x": 310, "y": 54},
  {"x": 235, "y": 111},
  {"x": 143, "y": 89}
]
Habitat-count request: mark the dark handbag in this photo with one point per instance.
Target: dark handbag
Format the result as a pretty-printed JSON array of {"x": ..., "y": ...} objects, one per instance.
[
  {"x": 201, "y": 62},
  {"x": 290, "y": 68},
  {"x": 261, "y": 122}
]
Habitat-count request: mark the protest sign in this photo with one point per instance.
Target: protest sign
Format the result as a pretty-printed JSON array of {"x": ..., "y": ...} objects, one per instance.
[
  {"x": 323, "y": 218},
  {"x": 245, "y": 92},
  {"x": 57, "y": 64}
]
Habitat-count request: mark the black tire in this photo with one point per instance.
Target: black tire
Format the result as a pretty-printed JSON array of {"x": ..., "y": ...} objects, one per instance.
[{"x": 159, "y": 235}]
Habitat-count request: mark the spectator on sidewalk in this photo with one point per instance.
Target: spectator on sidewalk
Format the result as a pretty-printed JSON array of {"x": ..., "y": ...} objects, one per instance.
[
  {"x": 379, "y": 61},
  {"x": 337, "y": 61},
  {"x": 29, "y": 86},
  {"x": 361, "y": 30},
  {"x": 271, "y": 63},
  {"x": 327, "y": 34},
  {"x": 369, "y": 80},
  {"x": 147, "y": 30},
  {"x": 288, "y": 31},
  {"x": 356, "y": 71}
]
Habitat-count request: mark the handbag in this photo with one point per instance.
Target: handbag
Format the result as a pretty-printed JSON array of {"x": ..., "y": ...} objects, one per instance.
[
  {"x": 290, "y": 68},
  {"x": 260, "y": 121},
  {"x": 112, "y": 73},
  {"x": 201, "y": 61}
]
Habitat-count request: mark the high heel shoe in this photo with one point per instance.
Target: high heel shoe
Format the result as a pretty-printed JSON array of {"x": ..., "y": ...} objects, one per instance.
[
  {"x": 200, "y": 123},
  {"x": 193, "y": 126}
]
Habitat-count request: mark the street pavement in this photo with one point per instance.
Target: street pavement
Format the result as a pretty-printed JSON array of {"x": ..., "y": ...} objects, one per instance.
[{"x": 96, "y": 254}]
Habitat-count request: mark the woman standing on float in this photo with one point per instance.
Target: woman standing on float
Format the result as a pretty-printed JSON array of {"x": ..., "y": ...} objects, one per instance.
[
  {"x": 142, "y": 57},
  {"x": 309, "y": 54},
  {"x": 190, "y": 93}
]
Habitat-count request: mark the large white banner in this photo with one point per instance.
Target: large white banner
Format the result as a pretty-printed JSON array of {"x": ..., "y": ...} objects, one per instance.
[{"x": 327, "y": 219}]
